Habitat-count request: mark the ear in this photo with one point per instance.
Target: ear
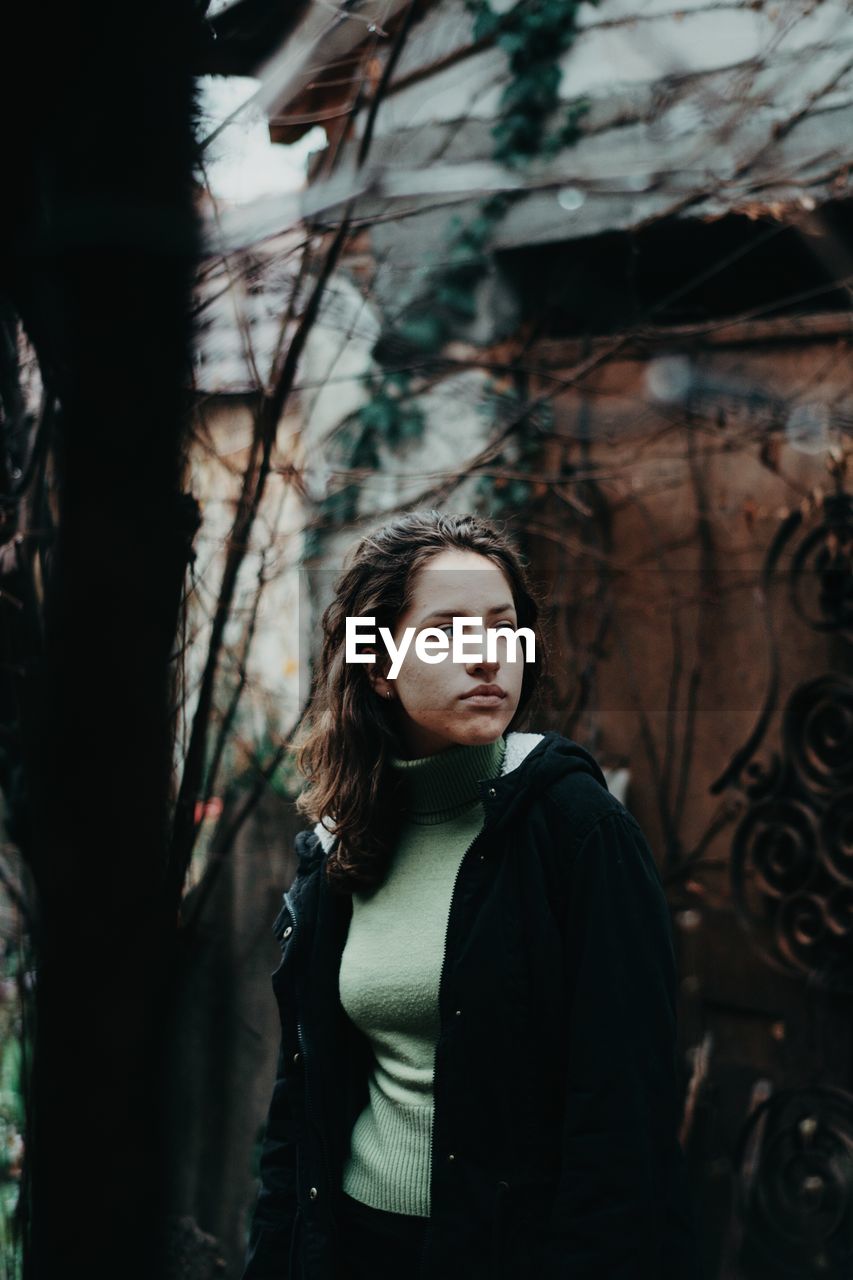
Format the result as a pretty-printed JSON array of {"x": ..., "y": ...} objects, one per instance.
[{"x": 377, "y": 674}]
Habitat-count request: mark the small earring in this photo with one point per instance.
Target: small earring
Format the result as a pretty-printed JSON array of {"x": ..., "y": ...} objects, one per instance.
[{"x": 388, "y": 693}]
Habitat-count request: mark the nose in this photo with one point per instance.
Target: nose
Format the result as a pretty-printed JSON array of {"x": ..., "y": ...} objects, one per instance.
[{"x": 489, "y": 667}]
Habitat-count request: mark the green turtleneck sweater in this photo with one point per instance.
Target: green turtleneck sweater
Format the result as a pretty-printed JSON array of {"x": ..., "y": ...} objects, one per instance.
[{"x": 390, "y": 970}]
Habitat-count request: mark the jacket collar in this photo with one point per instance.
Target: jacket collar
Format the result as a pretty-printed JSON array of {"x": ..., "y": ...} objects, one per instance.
[
  {"x": 532, "y": 763},
  {"x": 519, "y": 746}
]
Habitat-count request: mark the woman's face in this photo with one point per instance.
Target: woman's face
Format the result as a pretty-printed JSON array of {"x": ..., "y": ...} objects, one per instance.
[{"x": 430, "y": 698}]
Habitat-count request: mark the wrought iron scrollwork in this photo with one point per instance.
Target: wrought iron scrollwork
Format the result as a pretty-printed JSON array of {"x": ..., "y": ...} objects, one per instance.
[
  {"x": 823, "y": 561},
  {"x": 794, "y": 1195},
  {"x": 792, "y": 853}
]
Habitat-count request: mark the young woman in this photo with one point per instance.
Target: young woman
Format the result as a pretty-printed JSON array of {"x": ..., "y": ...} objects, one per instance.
[{"x": 477, "y": 1073}]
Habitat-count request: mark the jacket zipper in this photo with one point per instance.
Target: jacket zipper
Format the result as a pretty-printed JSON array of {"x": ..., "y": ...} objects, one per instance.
[
  {"x": 462, "y": 860},
  {"x": 300, "y": 1035},
  {"x": 450, "y": 909}
]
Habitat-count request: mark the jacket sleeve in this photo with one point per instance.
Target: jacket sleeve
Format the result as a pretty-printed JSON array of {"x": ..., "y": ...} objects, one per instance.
[
  {"x": 271, "y": 1231},
  {"x": 268, "y": 1251},
  {"x": 617, "y": 1213}
]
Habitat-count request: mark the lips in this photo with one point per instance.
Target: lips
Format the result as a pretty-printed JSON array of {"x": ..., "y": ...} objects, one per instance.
[{"x": 485, "y": 690}]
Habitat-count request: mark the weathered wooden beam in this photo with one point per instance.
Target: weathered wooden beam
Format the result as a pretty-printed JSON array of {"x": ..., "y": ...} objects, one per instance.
[
  {"x": 565, "y": 353},
  {"x": 324, "y": 35}
]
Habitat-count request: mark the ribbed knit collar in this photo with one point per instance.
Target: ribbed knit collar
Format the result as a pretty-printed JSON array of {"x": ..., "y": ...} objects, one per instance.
[{"x": 444, "y": 785}]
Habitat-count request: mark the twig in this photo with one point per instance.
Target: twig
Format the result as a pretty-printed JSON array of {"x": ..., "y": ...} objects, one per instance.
[
  {"x": 229, "y": 828},
  {"x": 249, "y": 501}
]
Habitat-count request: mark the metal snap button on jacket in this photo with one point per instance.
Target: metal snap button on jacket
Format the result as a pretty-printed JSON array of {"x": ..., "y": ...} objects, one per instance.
[{"x": 312, "y": 1193}]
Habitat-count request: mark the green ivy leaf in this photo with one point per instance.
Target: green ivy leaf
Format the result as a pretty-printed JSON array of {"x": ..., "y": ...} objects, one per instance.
[
  {"x": 424, "y": 331},
  {"x": 510, "y": 41},
  {"x": 365, "y": 453},
  {"x": 486, "y": 23},
  {"x": 412, "y": 424},
  {"x": 374, "y": 416},
  {"x": 462, "y": 303}
]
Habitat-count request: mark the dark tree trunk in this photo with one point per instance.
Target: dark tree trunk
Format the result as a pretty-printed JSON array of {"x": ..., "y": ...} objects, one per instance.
[{"x": 98, "y": 241}]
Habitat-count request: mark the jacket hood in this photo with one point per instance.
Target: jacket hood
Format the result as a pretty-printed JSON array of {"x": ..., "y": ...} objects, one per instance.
[{"x": 532, "y": 763}]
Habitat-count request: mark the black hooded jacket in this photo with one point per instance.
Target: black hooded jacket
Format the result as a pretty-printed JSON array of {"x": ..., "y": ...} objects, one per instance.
[{"x": 556, "y": 1096}]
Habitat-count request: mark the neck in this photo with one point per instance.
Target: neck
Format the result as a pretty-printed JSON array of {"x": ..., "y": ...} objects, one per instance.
[{"x": 443, "y": 785}]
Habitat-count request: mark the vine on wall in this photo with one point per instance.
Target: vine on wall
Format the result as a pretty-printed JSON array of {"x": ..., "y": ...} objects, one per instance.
[
  {"x": 506, "y": 488},
  {"x": 534, "y": 34}
]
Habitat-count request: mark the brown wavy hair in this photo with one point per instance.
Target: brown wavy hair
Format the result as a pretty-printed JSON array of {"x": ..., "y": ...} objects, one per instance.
[{"x": 348, "y": 732}]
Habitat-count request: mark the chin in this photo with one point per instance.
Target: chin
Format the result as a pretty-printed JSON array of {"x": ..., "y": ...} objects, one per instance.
[{"x": 485, "y": 729}]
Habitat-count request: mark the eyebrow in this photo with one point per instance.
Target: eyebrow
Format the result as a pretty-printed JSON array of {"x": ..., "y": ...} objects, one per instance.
[{"x": 506, "y": 607}]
